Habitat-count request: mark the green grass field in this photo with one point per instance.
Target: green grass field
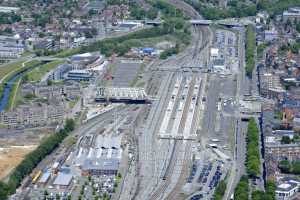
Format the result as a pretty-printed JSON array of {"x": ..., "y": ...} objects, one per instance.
[
  {"x": 37, "y": 73},
  {"x": 12, "y": 95},
  {"x": 9, "y": 67},
  {"x": 68, "y": 52}
]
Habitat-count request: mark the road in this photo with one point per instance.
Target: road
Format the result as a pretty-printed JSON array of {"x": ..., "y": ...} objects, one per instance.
[
  {"x": 242, "y": 88},
  {"x": 186, "y": 8}
]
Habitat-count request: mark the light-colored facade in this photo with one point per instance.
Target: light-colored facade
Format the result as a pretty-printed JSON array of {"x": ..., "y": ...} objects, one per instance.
[
  {"x": 34, "y": 116},
  {"x": 293, "y": 14}
]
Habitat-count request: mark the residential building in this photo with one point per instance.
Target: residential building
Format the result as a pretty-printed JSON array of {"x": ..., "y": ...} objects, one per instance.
[
  {"x": 59, "y": 72},
  {"x": 10, "y": 48},
  {"x": 292, "y": 14},
  {"x": 287, "y": 188},
  {"x": 270, "y": 86},
  {"x": 46, "y": 44},
  {"x": 286, "y": 191},
  {"x": 6, "y": 9},
  {"x": 69, "y": 89},
  {"x": 95, "y": 5},
  {"x": 278, "y": 150},
  {"x": 270, "y": 35},
  {"x": 27, "y": 116}
]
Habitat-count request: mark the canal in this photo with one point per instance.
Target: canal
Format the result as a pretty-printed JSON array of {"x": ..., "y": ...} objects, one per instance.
[{"x": 8, "y": 86}]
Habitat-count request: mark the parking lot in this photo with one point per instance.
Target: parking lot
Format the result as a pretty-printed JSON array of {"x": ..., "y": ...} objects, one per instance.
[
  {"x": 126, "y": 71},
  {"x": 205, "y": 174},
  {"x": 226, "y": 42}
]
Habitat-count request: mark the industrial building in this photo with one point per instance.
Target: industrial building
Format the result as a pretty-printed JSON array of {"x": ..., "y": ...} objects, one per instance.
[
  {"x": 99, "y": 167},
  {"x": 101, "y": 156},
  {"x": 121, "y": 95},
  {"x": 126, "y": 26},
  {"x": 44, "y": 178},
  {"x": 63, "y": 180}
]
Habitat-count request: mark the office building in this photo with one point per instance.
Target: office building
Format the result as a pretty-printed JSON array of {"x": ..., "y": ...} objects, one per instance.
[{"x": 79, "y": 75}]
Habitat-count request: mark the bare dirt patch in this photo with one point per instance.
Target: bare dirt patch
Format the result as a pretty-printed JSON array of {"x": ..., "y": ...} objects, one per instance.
[{"x": 10, "y": 157}]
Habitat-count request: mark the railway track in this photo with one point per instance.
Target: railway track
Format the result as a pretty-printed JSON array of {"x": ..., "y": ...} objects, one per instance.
[
  {"x": 166, "y": 176},
  {"x": 160, "y": 191},
  {"x": 172, "y": 161},
  {"x": 153, "y": 124},
  {"x": 174, "y": 194},
  {"x": 192, "y": 57},
  {"x": 199, "y": 36}
]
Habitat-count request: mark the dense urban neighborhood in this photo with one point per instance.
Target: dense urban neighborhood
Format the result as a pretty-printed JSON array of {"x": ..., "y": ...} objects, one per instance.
[{"x": 149, "y": 99}]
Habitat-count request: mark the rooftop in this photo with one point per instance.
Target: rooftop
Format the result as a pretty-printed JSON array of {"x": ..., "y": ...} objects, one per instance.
[
  {"x": 79, "y": 71},
  {"x": 44, "y": 177},
  {"x": 63, "y": 179},
  {"x": 284, "y": 187},
  {"x": 219, "y": 62},
  {"x": 101, "y": 164},
  {"x": 85, "y": 57},
  {"x": 214, "y": 51},
  {"x": 7, "y": 9},
  {"x": 95, "y": 5}
]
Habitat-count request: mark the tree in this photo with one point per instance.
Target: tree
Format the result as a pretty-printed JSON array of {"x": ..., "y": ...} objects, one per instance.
[
  {"x": 241, "y": 191},
  {"x": 69, "y": 125},
  {"x": 253, "y": 155},
  {"x": 296, "y": 167},
  {"x": 8, "y": 30},
  {"x": 220, "y": 190},
  {"x": 298, "y": 27},
  {"x": 250, "y": 47},
  {"x": 284, "y": 166},
  {"x": 32, "y": 160},
  {"x": 285, "y": 140},
  {"x": 269, "y": 194},
  {"x": 4, "y": 190}
]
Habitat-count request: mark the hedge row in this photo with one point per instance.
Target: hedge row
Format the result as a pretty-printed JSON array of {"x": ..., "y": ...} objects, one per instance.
[{"x": 33, "y": 159}]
